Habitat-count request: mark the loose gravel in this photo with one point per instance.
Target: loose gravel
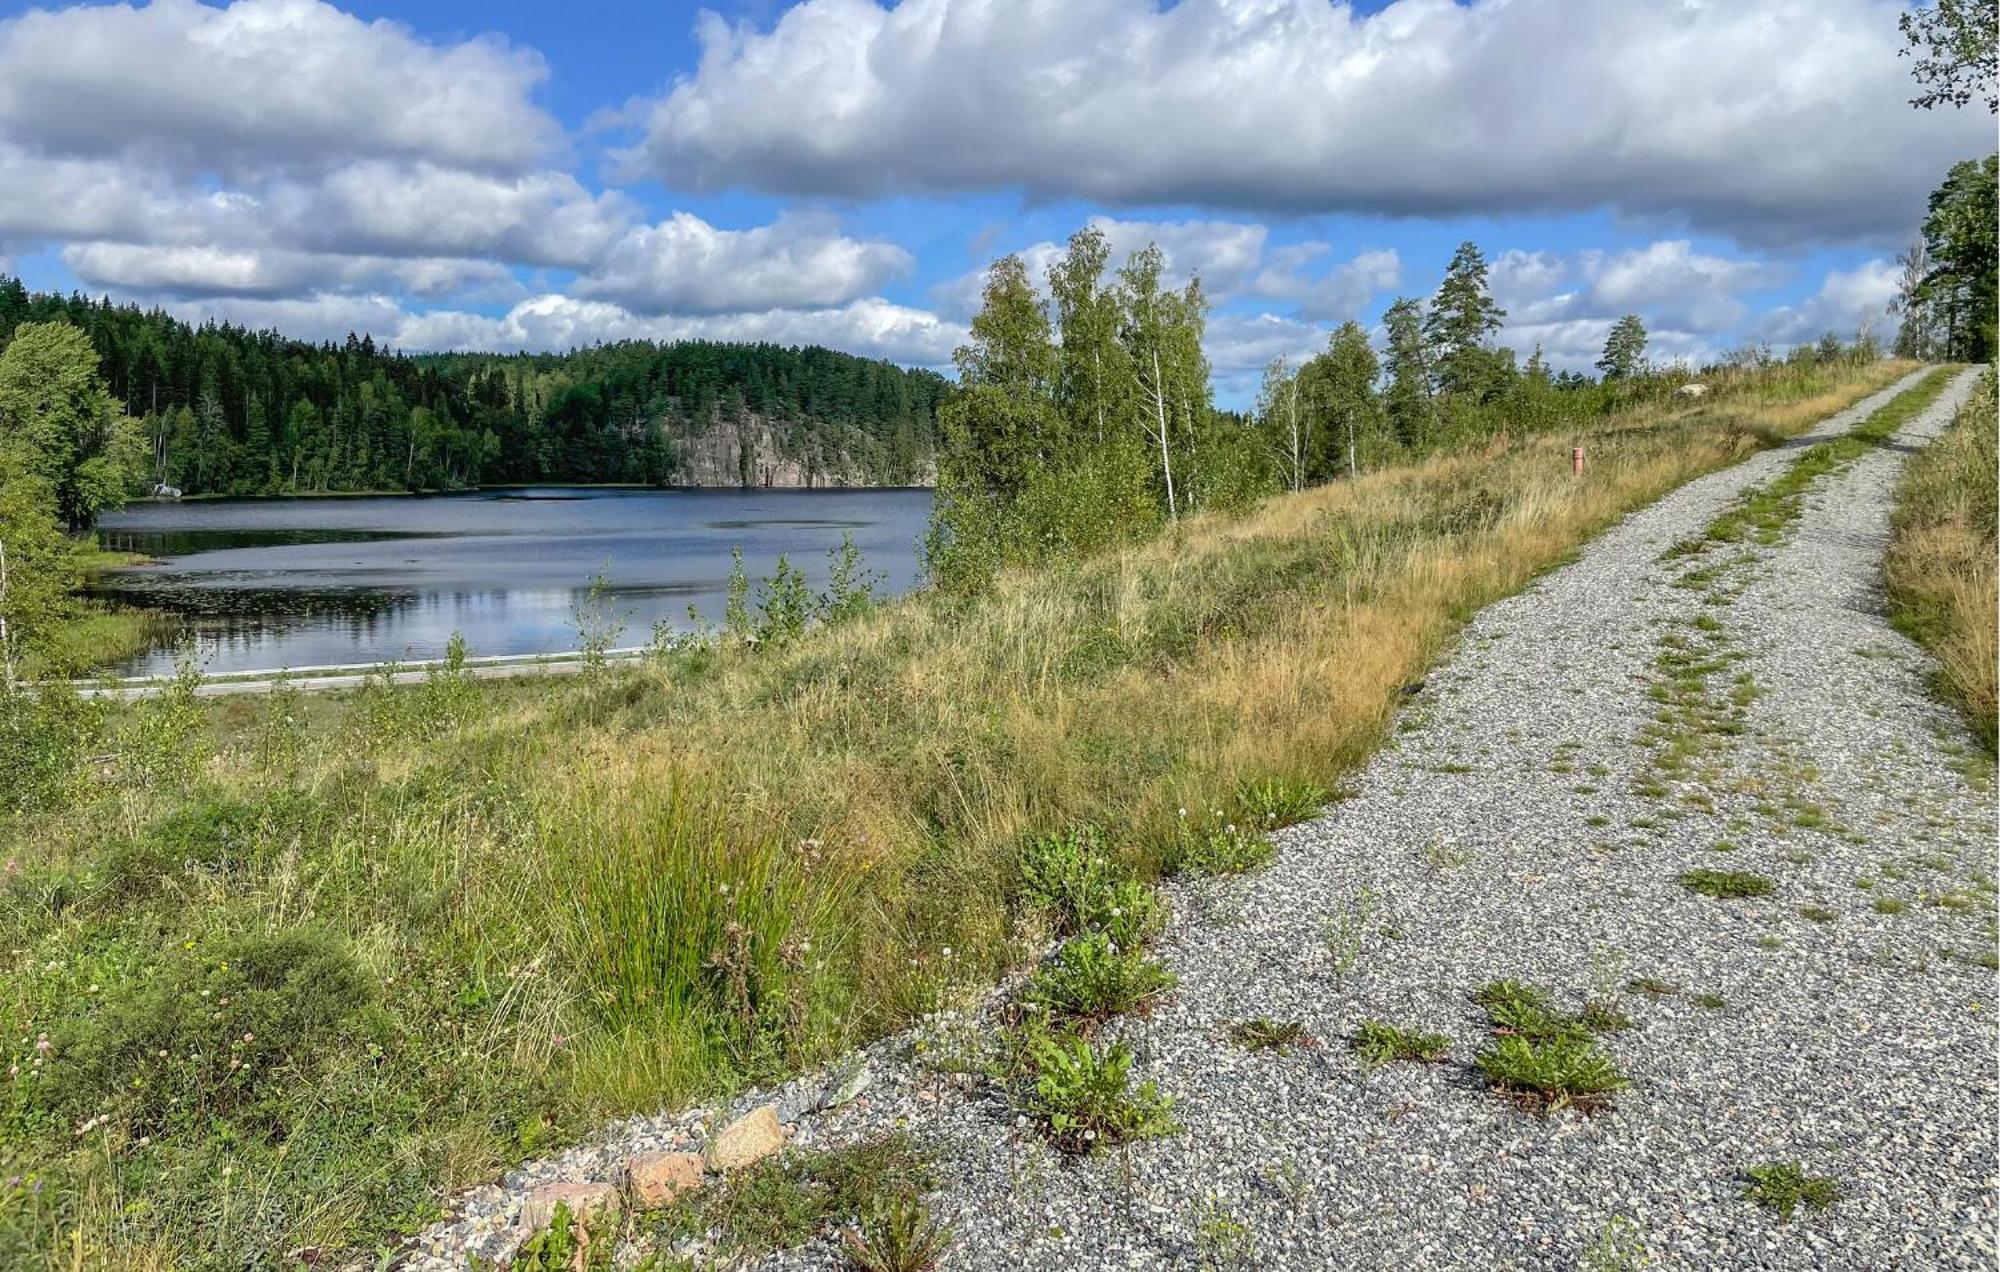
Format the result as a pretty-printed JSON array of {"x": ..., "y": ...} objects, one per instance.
[{"x": 1523, "y": 825}]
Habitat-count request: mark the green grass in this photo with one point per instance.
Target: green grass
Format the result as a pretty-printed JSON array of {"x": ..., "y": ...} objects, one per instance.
[
  {"x": 1378, "y": 1044},
  {"x": 785, "y": 1201},
  {"x": 1726, "y": 884},
  {"x": 1092, "y": 978}
]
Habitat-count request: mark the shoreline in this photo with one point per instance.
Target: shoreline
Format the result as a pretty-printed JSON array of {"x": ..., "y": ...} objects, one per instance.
[{"x": 484, "y": 487}]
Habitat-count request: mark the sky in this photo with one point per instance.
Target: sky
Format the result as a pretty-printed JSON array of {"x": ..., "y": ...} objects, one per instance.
[{"x": 514, "y": 174}]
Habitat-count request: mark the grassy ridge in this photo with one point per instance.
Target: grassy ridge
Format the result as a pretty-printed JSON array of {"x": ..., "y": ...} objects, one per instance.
[
  {"x": 288, "y": 969},
  {"x": 1940, "y": 566}
]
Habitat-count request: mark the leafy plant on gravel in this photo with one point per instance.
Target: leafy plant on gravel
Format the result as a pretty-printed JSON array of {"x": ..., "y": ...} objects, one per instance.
[
  {"x": 1228, "y": 849},
  {"x": 1620, "y": 1247},
  {"x": 1127, "y": 911},
  {"x": 897, "y": 1234},
  {"x": 1785, "y": 1186},
  {"x": 1553, "y": 1073},
  {"x": 1525, "y": 1010},
  {"x": 1378, "y": 1043},
  {"x": 1346, "y": 930},
  {"x": 1093, "y": 977},
  {"x": 1726, "y": 884},
  {"x": 785, "y": 1201},
  {"x": 1065, "y": 875},
  {"x": 563, "y": 1246},
  {"x": 1654, "y": 986},
  {"x": 1263, "y": 1034},
  {"x": 1602, "y": 1016},
  {"x": 1221, "y": 1240},
  {"x": 1083, "y": 1095}
]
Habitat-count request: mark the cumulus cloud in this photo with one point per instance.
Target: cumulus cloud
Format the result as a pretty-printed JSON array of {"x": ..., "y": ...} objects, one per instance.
[
  {"x": 686, "y": 265},
  {"x": 195, "y": 271},
  {"x": 872, "y": 327},
  {"x": 1677, "y": 285},
  {"x": 1335, "y": 294},
  {"x": 265, "y": 82},
  {"x": 1766, "y": 119},
  {"x": 1846, "y": 301}
]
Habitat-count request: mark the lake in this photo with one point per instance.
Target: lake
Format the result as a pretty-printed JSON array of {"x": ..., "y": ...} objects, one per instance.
[{"x": 307, "y": 582}]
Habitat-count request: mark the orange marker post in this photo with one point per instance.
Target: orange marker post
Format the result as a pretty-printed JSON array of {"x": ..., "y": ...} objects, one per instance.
[{"x": 1576, "y": 461}]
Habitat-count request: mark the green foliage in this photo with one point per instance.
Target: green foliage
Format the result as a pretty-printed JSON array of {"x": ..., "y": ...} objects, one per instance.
[
  {"x": 1219, "y": 850},
  {"x": 1624, "y": 349},
  {"x": 1947, "y": 303},
  {"x": 1262, "y": 1034},
  {"x": 1378, "y": 1043},
  {"x": 1785, "y": 1186},
  {"x": 1065, "y": 877},
  {"x": 1459, "y": 330},
  {"x": 1552, "y": 1073},
  {"x": 784, "y": 606},
  {"x": 1957, "y": 60},
  {"x": 47, "y": 734},
  {"x": 1526, "y": 1010},
  {"x": 850, "y": 586},
  {"x": 897, "y": 1234},
  {"x": 1093, "y": 977},
  {"x": 597, "y": 621},
  {"x": 1726, "y": 883},
  {"x": 1082, "y": 1095},
  {"x": 38, "y": 570},
  {"x": 62, "y": 425},
  {"x": 1276, "y": 802},
  {"x": 736, "y": 625},
  {"x": 564, "y": 1246},
  {"x": 166, "y": 740},
  {"x": 785, "y": 1201},
  {"x": 235, "y": 411}
]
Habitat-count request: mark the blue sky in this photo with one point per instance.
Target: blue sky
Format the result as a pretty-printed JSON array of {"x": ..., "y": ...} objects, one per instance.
[{"x": 522, "y": 175}]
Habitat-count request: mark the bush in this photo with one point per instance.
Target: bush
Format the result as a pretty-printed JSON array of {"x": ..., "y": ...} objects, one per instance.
[{"x": 46, "y": 736}]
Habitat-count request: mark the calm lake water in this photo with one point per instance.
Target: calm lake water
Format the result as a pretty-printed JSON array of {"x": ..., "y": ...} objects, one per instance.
[{"x": 305, "y": 582}]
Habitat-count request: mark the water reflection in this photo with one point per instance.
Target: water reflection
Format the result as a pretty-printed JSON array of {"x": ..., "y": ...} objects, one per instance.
[{"x": 302, "y": 583}]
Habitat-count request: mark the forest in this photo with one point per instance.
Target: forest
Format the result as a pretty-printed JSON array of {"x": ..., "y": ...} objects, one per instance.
[{"x": 229, "y": 411}]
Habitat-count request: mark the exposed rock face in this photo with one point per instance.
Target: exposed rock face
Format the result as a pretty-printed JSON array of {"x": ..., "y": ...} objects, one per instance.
[
  {"x": 746, "y": 1141},
  {"x": 654, "y": 1179},
  {"x": 753, "y": 450}
]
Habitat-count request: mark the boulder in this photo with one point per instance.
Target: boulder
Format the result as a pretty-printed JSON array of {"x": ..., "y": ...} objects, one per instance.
[
  {"x": 654, "y": 1179},
  {"x": 590, "y": 1204},
  {"x": 746, "y": 1141}
]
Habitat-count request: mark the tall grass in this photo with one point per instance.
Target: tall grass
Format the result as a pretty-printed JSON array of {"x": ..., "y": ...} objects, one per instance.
[
  {"x": 1940, "y": 566},
  {"x": 564, "y": 899}
]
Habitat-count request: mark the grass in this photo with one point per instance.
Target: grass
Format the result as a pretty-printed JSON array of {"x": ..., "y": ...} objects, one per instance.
[
  {"x": 1785, "y": 1186},
  {"x": 785, "y": 1201},
  {"x": 1726, "y": 884},
  {"x": 1261, "y": 1034},
  {"x": 551, "y": 902},
  {"x": 1940, "y": 567},
  {"x": 1378, "y": 1043}
]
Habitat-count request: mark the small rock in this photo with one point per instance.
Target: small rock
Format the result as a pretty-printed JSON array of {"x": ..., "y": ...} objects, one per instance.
[
  {"x": 746, "y": 1141},
  {"x": 654, "y": 1179},
  {"x": 585, "y": 1201}
]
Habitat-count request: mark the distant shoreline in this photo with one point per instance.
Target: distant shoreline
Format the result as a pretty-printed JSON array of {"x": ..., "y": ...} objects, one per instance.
[{"x": 510, "y": 485}]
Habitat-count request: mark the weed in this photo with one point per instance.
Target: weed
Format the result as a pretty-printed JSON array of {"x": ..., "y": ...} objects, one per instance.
[
  {"x": 1261, "y": 1034},
  {"x": 1378, "y": 1043},
  {"x": 1092, "y": 978},
  {"x": 1785, "y": 1186},
  {"x": 785, "y": 1201},
  {"x": 1526, "y": 1011},
  {"x": 1726, "y": 883},
  {"x": 1222, "y": 1241},
  {"x": 1277, "y": 801},
  {"x": 1228, "y": 850},
  {"x": 897, "y": 1234},
  {"x": 1890, "y": 905},
  {"x": 1553, "y": 1073},
  {"x": 1600, "y": 1016},
  {"x": 1713, "y": 1002},
  {"x": 1343, "y": 933},
  {"x": 564, "y": 1246},
  {"x": 1083, "y": 1095},
  {"x": 1818, "y": 913},
  {"x": 1620, "y": 1247}
]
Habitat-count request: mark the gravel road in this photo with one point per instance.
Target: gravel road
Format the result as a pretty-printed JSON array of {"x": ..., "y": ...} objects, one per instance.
[{"x": 1530, "y": 821}]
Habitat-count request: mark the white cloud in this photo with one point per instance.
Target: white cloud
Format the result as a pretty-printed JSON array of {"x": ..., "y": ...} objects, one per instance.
[
  {"x": 193, "y": 271},
  {"x": 1340, "y": 292},
  {"x": 1846, "y": 301},
  {"x": 263, "y": 83},
  {"x": 1677, "y": 285},
  {"x": 1768, "y": 119},
  {"x": 686, "y": 265},
  {"x": 871, "y": 327}
]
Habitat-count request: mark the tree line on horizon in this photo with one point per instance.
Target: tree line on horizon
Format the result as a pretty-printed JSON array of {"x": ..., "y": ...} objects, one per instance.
[{"x": 224, "y": 409}]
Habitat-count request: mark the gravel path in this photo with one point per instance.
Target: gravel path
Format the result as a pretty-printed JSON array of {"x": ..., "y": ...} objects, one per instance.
[{"x": 1530, "y": 822}]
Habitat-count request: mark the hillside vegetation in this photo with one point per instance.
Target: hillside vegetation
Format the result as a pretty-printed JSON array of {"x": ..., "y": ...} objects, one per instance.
[
  {"x": 284, "y": 972},
  {"x": 226, "y": 410}
]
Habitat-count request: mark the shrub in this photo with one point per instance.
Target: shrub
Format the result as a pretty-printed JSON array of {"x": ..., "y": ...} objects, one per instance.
[
  {"x": 1784, "y": 1186},
  {"x": 46, "y": 737},
  {"x": 1084, "y": 1097},
  {"x": 1378, "y": 1043},
  {"x": 1726, "y": 884},
  {"x": 1092, "y": 977}
]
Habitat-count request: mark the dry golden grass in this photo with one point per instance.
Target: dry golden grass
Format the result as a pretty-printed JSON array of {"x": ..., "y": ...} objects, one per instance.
[{"x": 1940, "y": 566}]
